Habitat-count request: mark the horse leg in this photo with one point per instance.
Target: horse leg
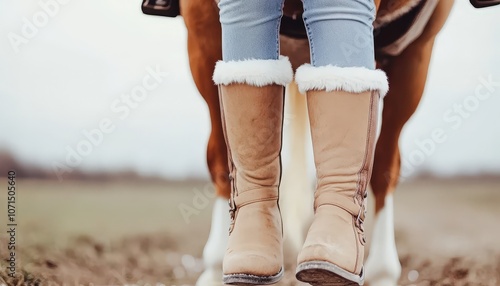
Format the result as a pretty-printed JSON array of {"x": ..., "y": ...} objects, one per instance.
[
  {"x": 407, "y": 76},
  {"x": 296, "y": 187},
  {"x": 204, "y": 49}
]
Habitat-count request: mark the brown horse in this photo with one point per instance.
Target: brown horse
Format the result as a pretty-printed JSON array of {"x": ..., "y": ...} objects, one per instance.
[{"x": 405, "y": 31}]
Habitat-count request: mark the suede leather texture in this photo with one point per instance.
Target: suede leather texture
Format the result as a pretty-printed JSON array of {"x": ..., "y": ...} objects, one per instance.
[
  {"x": 252, "y": 121},
  {"x": 343, "y": 130}
]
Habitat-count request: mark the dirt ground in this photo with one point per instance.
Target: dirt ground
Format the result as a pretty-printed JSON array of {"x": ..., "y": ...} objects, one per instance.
[{"x": 117, "y": 233}]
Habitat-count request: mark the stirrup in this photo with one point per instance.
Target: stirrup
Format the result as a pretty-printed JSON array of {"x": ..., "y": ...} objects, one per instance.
[{"x": 168, "y": 8}]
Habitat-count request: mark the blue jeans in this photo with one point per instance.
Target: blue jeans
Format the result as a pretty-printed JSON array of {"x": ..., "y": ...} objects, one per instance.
[{"x": 340, "y": 32}]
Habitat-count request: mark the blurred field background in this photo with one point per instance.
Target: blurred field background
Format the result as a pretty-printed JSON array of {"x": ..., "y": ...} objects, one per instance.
[{"x": 115, "y": 218}]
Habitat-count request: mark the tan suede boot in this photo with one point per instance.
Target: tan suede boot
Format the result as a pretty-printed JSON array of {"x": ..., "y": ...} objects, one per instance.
[
  {"x": 252, "y": 98},
  {"x": 343, "y": 113}
]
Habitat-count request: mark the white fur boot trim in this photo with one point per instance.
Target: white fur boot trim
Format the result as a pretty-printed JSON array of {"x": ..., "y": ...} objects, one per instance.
[
  {"x": 350, "y": 79},
  {"x": 254, "y": 72}
]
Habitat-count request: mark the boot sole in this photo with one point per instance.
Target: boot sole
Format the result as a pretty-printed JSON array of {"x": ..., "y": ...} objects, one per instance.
[
  {"x": 248, "y": 279},
  {"x": 322, "y": 273}
]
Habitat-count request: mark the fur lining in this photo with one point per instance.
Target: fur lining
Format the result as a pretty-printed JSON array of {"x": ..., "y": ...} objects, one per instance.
[
  {"x": 254, "y": 72},
  {"x": 350, "y": 79},
  {"x": 385, "y": 17}
]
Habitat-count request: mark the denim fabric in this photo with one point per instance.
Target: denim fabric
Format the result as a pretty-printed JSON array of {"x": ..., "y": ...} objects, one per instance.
[{"x": 340, "y": 31}]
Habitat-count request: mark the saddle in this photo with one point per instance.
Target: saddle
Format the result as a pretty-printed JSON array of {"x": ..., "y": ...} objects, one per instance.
[{"x": 398, "y": 23}]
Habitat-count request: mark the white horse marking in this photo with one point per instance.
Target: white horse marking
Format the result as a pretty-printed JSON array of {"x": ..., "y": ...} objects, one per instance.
[
  {"x": 382, "y": 266},
  {"x": 214, "y": 250}
]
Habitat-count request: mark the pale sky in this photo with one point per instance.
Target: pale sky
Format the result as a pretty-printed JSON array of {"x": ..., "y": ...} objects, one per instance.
[{"x": 69, "y": 73}]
